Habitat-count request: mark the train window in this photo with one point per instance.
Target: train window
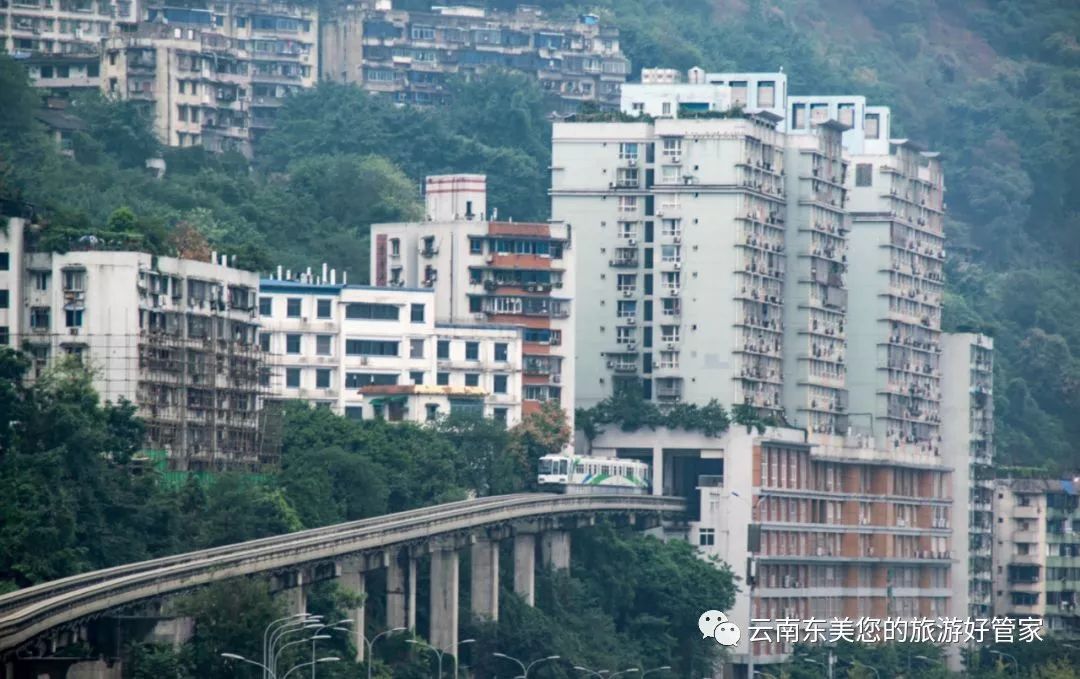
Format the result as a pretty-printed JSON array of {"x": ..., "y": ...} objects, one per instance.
[
  {"x": 545, "y": 466},
  {"x": 579, "y": 468},
  {"x": 562, "y": 466}
]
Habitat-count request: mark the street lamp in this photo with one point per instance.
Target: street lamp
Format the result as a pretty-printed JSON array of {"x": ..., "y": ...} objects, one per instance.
[
  {"x": 277, "y": 654},
  {"x": 436, "y": 651},
  {"x": 525, "y": 668},
  {"x": 333, "y": 627},
  {"x": 859, "y": 663},
  {"x": 457, "y": 648},
  {"x": 305, "y": 623},
  {"x": 313, "y": 663},
  {"x": 631, "y": 670},
  {"x": 289, "y": 619},
  {"x": 1016, "y": 665},
  {"x": 371, "y": 645},
  {"x": 828, "y": 668},
  {"x": 233, "y": 656},
  {"x": 656, "y": 669},
  {"x": 598, "y": 675}
]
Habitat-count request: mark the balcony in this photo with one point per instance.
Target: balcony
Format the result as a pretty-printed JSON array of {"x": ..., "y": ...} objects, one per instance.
[{"x": 624, "y": 262}]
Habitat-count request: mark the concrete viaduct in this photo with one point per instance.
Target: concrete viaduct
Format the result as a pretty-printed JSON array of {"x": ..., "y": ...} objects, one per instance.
[{"x": 39, "y": 619}]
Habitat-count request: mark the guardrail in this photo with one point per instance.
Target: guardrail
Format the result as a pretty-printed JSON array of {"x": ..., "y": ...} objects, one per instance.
[{"x": 27, "y": 613}]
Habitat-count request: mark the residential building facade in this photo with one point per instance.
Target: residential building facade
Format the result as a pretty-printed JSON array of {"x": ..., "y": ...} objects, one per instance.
[
  {"x": 410, "y": 55},
  {"x": 329, "y": 342},
  {"x": 511, "y": 274},
  {"x": 1036, "y": 551},
  {"x": 967, "y": 432},
  {"x": 216, "y": 77},
  {"x": 176, "y": 337}
]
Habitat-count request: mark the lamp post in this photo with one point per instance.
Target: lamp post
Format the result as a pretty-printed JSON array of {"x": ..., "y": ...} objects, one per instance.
[
  {"x": 266, "y": 670},
  {"x": 277, "y": 654},
  {"x": 431, "y": 648},
  {"x": 751, "y": 577},
  {"x": 764, "y": 674},
  {"x": 333, "y": 627},
  {"x": 594, "y": 673},
  {"x": 656, "y": 669},
  {"x": 457, "y": 649},
  {"x": 631, "y": 670},
  {"x": 371, "y": 645},
  {"x": 1016, "y": 665},
  {"x": 313, "y": 663},
  {"x": 305, "y": 623},
  {"x": 828, "y": 667},
  {"x": 525, "y": 668},
  {"x": 266, "y": 636}
]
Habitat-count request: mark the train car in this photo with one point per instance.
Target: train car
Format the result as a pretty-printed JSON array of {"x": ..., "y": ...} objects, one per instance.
[{"x": 572, "y": 474}]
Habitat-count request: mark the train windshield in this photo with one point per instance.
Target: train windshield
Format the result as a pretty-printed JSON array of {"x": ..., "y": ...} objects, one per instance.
[{"x": 546, "y": 466}]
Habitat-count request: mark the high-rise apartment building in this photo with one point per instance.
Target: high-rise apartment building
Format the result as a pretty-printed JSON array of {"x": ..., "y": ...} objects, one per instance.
[
  {"x": 514, "y": 274},
  {"x": 679, "y": 228},
  {"x": 215, "y": 77},
  {"x": 379, "y": 352},
  {"x": 967, "y": 430},
  {"x": 176, "y": 337},
  {"x": 410, "y": 55},
  {"x": 59, "y": 40},
  {"x": 1036, "y": 548}
]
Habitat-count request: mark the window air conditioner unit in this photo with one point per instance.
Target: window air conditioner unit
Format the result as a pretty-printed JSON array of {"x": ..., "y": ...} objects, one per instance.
[
  {"x": 632, "y": 346},
  {"x": 632, "y": 241},
  {"x": 659, "y": 213},
  {"x": 676, "y": 159},
  {"x": 677, "y": 239},
  {"x": 675, "y": 292},
  {"x": 631, "y": 320},
  {"x": 73, "y": 331},
  {"x": 632, "y": 162},
  {"x": 489, "y": 259},
  {"x": 678, "y": 265},
  {"x": 556, "y": 379},
  {"x": 671, "y": 346}
]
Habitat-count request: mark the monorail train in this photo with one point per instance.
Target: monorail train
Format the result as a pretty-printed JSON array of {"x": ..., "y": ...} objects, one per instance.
[{"x": 572, "y": 474}]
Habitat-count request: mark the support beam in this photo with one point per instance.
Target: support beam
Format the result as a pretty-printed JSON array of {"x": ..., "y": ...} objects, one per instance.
[
  {"x": 444, "y": 600},
  {"x": 657, "y": 471},
  {"x": 525, "y": 567},
  {"x": 395, "y": 592},
  {"x": 353, "y": 581},
  {"x": 295, "y": 594},
  {"x": 485, "y": 580},
  {"x": 411, "y": 611},
  {"x": 555, "y": 548}
]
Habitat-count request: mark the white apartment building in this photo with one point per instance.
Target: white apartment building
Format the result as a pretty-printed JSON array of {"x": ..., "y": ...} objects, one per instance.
[
  {"x": 678, "y": 230},
  {"x": 481, "y": 271},
  {"x": 215, "y": 77},
  {"x": 1036, "y": 551},
  {"x": 59, "y": 40},
  {"x": 176, "y": 337},
  {"x": 967, "y": 430},
  {"x": 357, "y": 349}
]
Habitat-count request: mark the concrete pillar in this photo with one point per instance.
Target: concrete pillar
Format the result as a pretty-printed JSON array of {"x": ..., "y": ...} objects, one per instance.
[
  {"x": 525, "y": 567},
  {"x": 9, "y": 670},
  {"x": 295, "y": 596},
  {"x": 444, "y": 600},
  {"x": 485, "y": 579},
  {"x": 353, "y": 581},
  {"x": 411, "y": 609},
  {"x": 555, "y": 548},
  {"x": 657, "y": 471},
  {"x": 395, "y": 592}
]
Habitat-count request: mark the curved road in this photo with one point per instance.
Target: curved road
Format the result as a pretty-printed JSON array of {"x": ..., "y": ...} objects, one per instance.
[{"x": 29, "y": 612}]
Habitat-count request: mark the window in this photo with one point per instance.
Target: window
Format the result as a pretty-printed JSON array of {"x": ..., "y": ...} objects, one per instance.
[
  {"x": 872, "y": 125},
  {"x": 380, "y": 312},
  {"x": 5, "y": 299},
  {"x": 627, "y": 282},
  {"x": 416, "y": 377},
  {"x": 819, "y": 113},
  {"x": 627, "y": 309},
  {"x": 476, "y": 246},
  {"x": 264, "y": 341},
  {"x": 798, "y": 116},
  {"x": 665, "y": 108},
  {"x": 864, "y": 174},
  {"x": 845, "y": 113},
  {"x": 416, "y": 313},
  {"x": 431, "y": 411},
  {"x": 292, "y": 344},
  {"x": 628, "y": 204},
  {"x": 324, "y": 345},
  {"x": 766, "y": 94},
  {"x": 472, "y": 379},
  {"x": 501, "y": 353},
  {"x": 738, "y": 93},
  {"x": 266, "y": 306},
  {"x": 416, "y": 348},
  {"x": 670, "y": 253},
  {"x": 292, "y": 307},
  {"x": 41, "y": 280},
  {"x": 355, "y": 413},
  {"x": 357, "y": 380},
  {"x": 395, "y": 247},
  {"x": 670, "y": 174},
  {"x": 500, "y": 415},
  {"x": 73, "y": 318},
  {"x": 322, "y": 378},
  {"x": 672, "y": 147},
  {"x": 292, "y": 378},
  {"x": 443, "y": 349},
  {"x": 500, "y": 384},
  {"x": 74, "y": 280},
  {"x": 360, "y": 347},
  {"x": 442, "y": 379},
  {"x": 628, "y": 151},
  {"x": 624, "y": 335},
  {"x": 5, "y": 335},
  {"x": 472, "y": 351},
  {"x": 323, "y": 308},
  {"x": 5, "y": 261}
]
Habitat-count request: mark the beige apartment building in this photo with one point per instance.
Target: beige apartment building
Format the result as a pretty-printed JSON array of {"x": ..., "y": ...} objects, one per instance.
[
  {"x": 410, "y": 55},
  {"x": 217, "y": 77}
]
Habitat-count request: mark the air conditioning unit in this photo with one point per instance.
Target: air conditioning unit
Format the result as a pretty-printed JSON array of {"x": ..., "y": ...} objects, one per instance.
[
  {"x": 659, "y": 213},
  {"x": 656, "y": 365},
  {"x": 363, "y": 360},
  {"x": 556, "y": 379},
  {"x": 631, "y": 320},
  {"x": 611, "y": 364},
  {"x": 671, "y": 346},
  {"x": 632, "y": 162},
  {"x": 632, "y": 241},
  {"x": 675, "y": 292},
  {"x": 678, "y": 265},
  {"x": 676, "y": 159},
  {"x": 627, "y": 293},
  {"x": 73, "y": 331},
  {"x": 632, "y": 346},
  {"x": 489, "y": 259},
  {"x": 677, "y": 239}
]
